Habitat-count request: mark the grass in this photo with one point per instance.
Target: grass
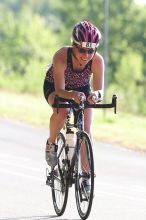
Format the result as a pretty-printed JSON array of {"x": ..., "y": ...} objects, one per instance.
[
  {"x": 120, "y": 129},
  {"x": 32, "y": 109},
  {"x": 123, "y": 129}
]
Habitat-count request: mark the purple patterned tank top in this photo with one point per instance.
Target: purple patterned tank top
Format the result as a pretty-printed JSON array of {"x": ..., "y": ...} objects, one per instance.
[{"x": 73, "y": 79}]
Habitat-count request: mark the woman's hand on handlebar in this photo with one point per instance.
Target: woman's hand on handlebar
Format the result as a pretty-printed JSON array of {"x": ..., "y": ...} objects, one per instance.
[
  {"x": 78, "y": 97},
  {"x": 93, "y": 98}
]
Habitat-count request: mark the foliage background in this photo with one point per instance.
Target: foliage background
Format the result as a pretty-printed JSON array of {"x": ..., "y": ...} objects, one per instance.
[{"x": 32, "y": 30}]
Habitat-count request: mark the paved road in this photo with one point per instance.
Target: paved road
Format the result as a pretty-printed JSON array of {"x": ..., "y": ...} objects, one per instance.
[{"x": 120, "y": 183}]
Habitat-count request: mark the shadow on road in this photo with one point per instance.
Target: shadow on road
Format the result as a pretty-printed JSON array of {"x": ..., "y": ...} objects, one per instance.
[{"x": 53, "y": 217}]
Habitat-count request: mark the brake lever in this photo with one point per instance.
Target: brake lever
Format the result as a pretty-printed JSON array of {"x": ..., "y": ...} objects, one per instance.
[{"x": 114, "y": 103}]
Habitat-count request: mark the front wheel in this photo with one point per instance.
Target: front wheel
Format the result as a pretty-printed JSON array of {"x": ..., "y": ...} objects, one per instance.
[
  {"x": 84, "y": 169},
  {"x": 60, "y": 185}
]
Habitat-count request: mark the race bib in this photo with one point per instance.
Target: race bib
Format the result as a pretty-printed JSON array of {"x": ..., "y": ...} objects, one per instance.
[{"x": 89, "y": 45}]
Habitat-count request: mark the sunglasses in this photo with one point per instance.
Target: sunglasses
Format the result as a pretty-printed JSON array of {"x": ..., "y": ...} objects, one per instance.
[{"x": 82, "y": 50}]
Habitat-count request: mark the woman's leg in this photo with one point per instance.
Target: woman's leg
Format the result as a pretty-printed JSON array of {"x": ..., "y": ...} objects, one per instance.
[
  {"x": 57, "y": 120},
  {"x": 88, "y": 119},
  {"x": 56, "y": 123}
]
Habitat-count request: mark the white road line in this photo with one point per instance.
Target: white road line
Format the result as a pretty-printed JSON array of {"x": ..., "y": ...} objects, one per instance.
[
  {"x": 22, "y": 175},
  {"x": 14, "y": 164},
  {"x": 133, "y": 188},
  {"x": 12, "y": 157},
  {"x": 98, "y": 191},
  {"x": 101, "y": 186},
  {"x": 119, "y": 195}
]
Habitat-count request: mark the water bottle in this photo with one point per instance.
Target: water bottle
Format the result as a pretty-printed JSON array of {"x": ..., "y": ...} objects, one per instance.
[{"x": 70, "y": 143}]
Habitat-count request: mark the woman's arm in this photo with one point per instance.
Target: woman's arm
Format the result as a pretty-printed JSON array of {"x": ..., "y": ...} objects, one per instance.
[
  {"x": 98, "y": 79},
  {"x": 59, "y": 65}
]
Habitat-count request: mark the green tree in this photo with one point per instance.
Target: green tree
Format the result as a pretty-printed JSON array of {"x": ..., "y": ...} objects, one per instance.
[
  {"x": 27, "y": 46},
  {"x": 128, "y": 74},
  {"x": 23, "y": 38},
  {"x": 31, "y": 30}
]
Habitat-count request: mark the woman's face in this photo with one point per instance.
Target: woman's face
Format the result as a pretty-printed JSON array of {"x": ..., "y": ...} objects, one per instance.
[{"x": 83, "y": 55}]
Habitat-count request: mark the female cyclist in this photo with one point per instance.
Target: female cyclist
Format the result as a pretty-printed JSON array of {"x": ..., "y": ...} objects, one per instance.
[{"x": 69, "y": 76}]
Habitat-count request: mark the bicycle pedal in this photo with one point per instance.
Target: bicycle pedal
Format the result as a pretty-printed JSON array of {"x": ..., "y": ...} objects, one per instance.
[
  {"x": 49, "y": 181},
  {"x": 55, "y": 173},
  {"x": 49, "y": 178},
  {"x": 47, "y": 172},
  {"x": 84, "y": 199}
]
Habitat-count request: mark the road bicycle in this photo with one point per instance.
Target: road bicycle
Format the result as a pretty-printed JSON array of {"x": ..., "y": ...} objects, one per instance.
[{"x": 70, "y": 171}]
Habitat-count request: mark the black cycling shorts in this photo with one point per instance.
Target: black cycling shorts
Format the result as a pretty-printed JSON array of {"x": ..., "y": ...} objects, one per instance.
[{"x": 48, "y": 88}]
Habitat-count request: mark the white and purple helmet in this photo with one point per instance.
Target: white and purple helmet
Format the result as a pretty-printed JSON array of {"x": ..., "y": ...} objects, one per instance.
[{"x": 86, "y": 35}]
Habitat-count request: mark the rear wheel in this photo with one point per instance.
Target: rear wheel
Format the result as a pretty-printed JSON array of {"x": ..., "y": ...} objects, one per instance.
[
  {"x": 59, "y": 181},
  {"x": 84, "y": 164}
]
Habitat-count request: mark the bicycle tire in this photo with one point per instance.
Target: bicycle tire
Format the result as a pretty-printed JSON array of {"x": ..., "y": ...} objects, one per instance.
[
  {"x": 60, "y": 185},
  {"x": 84, "y": 201}
]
